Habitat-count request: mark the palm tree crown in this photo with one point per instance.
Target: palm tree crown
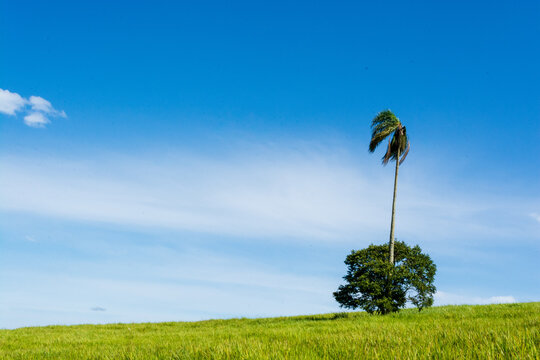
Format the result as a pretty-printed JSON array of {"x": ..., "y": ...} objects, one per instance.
[{"x": 384, "y": 125}]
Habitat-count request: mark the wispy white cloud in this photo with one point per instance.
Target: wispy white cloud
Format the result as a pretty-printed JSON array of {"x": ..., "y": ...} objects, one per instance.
[
  {"x": 302, "y": 197},
  {"x": 306, "y": 194},
  {"x": 444, "y": 298},
  {"x": 535, "y": 216},
  {"x": 37, "y": 109}
]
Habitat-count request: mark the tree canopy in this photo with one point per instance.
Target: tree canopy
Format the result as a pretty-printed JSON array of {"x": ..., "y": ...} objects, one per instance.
[{"x": 375, "y": 285}]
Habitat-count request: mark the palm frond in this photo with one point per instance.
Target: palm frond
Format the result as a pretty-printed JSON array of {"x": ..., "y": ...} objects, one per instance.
[
  {"x": 398, "y": 140},
  {"x": 378, "y": 137},
  {"x": 391, "y": 152},
  {"x": 405, "y": 153},
  {"x": 405, "y": 146},
  {"x": 388, "y": 154},
  {"x": 382, "y": 126}
]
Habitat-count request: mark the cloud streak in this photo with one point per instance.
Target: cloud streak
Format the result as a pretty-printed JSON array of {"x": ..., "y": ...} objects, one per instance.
[
  {"x": 38, "y": 110},
  {"x": 286, "y": 194},
  {"x": 268, "y": 198}
]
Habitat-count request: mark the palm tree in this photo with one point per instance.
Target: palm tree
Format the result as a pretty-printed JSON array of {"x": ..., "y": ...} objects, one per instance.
[{"x": 382, "y": 126}]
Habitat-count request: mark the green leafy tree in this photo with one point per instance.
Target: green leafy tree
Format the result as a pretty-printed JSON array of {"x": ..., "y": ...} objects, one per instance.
[
  {"x": 375, "y": 285},
  {"x": 386, "y": 124}
]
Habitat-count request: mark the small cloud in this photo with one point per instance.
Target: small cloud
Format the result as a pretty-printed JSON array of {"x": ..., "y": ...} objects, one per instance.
[
  {"x": 444, "y": 298},
  {"x": 38, "y": 103},
  {"x": 501, "y": 300},
  {"x": 97, "y": 308},
  {"x": 10, "y": 102},
  {"x": 29, "y": 238},
  {"x": 36, "y": 119},
  {"x": 38, "y": 110},
  {"x": 535, "y": 216}
]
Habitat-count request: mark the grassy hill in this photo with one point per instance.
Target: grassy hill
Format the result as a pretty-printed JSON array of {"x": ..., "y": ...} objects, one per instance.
[{"x": 509, "y": 331}]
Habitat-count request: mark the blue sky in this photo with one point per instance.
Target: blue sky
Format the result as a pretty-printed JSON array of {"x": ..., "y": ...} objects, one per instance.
[{"x": 166, "y": 161}]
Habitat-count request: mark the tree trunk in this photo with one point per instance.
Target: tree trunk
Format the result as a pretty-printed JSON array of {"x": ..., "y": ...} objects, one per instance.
[{"x": 391, "y": 243}]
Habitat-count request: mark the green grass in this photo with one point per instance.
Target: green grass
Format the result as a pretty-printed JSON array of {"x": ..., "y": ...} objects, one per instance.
[{"x": 509, "y": 331}]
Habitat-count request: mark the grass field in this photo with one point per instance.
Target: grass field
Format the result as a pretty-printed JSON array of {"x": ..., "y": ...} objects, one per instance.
[{"x": 509, "y": 331}]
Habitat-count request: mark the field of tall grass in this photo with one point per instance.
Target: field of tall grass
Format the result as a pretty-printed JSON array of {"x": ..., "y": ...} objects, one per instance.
[{"x": 507, "y": 331}]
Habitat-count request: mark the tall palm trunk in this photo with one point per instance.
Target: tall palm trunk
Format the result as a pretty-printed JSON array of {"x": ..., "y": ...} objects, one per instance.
[{"x": 391, "y": 243}]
